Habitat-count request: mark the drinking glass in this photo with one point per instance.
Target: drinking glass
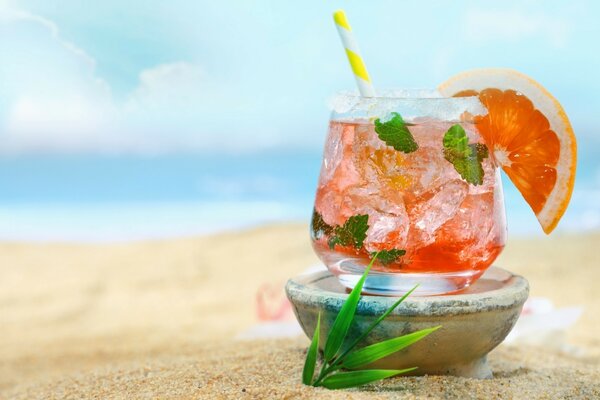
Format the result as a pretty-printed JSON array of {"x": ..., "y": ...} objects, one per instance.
[{"x": 407, "y": 176}]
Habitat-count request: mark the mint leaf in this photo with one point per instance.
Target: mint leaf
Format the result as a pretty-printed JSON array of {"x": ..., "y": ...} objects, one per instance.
[
  {"x": 389, "y": 256},
  {"x": 466, "y": 158},
  {"x": 352, "y": 233},
  {"x": 318, "y": 226},
  {"x": 396, "y": 134},
  {"x": 456, "y": 141}
]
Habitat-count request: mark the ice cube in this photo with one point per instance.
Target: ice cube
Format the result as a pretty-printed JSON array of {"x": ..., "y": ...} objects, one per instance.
[
  {"x": 387, "y": 231},
  {"x": 346, "y": 174},
  {"x": 429, "y": 215},
  {"x": 388, "y": 220},
  {"x": 327, "y": 203},
  {"x": 479, "y": 222},
  {"x": 427, "y": 169},
  {"x": 338, "y": 173},
  {"x": 332, "y": 154},
  {"x": 491, "y": 175}
]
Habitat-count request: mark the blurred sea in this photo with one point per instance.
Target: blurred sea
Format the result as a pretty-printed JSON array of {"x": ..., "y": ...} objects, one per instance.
[{"x": 123, "y": 197}]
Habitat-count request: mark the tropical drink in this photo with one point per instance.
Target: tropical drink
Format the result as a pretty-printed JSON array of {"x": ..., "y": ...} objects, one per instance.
[{"x": 411, "y": 178}]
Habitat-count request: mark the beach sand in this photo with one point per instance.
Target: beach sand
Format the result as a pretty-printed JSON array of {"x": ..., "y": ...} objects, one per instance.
[{"x": 159, "y": 320}]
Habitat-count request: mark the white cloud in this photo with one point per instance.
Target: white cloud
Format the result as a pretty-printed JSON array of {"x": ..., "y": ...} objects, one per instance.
[
  {"x": 51, "y": 96},
  {"x": 51, "y": 99},
  {"x": 8, "y": 14},
  {"x": 172, "y": 84},
  {"x": 17, "y": 22},
  {"x": 484, "y": 25},
  {"x": 45, "y": 123},
  {"x": 180, "y": 106},
  {"x": 170, "y": 95}
]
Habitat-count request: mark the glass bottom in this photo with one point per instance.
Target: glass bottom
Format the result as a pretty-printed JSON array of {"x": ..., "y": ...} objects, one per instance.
[{"x": 398, "y": 283}]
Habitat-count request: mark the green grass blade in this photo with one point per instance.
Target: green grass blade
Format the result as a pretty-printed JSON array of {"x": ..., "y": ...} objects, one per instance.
[
  {"x": 311, "y": 355},
  {"x": 343, "y": 380},
  {"x": 342, "y": 322},
  {"x": 377, "y": 322},
  {"x": 376, "y": 351}
]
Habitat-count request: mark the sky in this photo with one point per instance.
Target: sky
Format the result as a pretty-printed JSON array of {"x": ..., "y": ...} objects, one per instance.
[
  {"x": 245, "y": 76},
  {"x": 192, "y": 109}
]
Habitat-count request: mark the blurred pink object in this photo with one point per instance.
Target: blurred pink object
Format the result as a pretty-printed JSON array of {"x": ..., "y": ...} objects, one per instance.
[{"x": 272, "y": 304}]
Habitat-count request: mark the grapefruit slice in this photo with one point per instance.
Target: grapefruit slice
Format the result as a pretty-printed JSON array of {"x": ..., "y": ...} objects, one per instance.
[{"x": 528, "y": 134}]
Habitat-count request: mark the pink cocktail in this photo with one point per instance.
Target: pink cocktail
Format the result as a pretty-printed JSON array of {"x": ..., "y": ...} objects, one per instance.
[{"x": 410, "y": 178}]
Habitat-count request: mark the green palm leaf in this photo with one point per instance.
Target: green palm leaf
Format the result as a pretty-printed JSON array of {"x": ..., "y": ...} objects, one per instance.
[
  {"x": 343, "y": 380},
  {"x": 376, "y": 351},
  {"x": 377, "y": 322},
  {"x": 311, "y": 356},
  {"x": 338, "y": 354},
  {"x": 342, "y": 322}
]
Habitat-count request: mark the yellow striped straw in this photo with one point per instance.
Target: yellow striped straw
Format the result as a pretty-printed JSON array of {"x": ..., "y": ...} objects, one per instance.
[{"x": 363, "y": 80}]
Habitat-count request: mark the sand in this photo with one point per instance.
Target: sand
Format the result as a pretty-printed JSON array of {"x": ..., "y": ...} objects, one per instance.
[{"x": 158, "y": 320}]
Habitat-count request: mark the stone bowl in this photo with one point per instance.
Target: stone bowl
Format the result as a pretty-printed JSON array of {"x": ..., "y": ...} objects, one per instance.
[{"x": 473, "y": 321}]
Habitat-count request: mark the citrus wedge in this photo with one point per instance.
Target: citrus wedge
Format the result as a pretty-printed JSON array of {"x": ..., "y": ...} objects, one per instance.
[{"x": 528, "y": 134}]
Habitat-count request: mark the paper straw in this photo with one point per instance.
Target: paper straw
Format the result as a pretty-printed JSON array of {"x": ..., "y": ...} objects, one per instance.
[{"x": 363, "y": 80}]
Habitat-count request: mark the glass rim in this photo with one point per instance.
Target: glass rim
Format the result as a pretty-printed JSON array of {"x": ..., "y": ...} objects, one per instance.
[
  {"x": 412, "y": 102},
  {"x": 410, "y": 94}
]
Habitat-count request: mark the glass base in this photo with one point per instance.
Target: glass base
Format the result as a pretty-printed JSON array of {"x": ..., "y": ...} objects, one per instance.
[{"x": 398, "y": 283}]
